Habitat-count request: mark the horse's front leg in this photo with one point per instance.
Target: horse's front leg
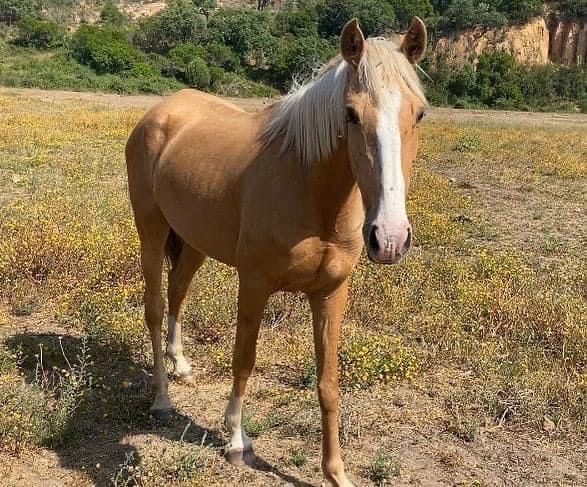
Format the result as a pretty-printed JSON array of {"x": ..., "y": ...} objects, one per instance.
[
  {"x": 252, "y": 297},
  {"x": 327, "y": 312}
]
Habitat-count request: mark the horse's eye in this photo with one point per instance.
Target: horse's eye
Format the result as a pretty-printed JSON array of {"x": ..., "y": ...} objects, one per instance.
[
  {"x": 351, "y": 116},
  {"x": 420, "y": 116}
]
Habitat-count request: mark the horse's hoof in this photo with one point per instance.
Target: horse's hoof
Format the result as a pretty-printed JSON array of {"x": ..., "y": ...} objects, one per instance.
[
  {"x": 239, "y": 456},
  {"x": 162, "y": 415}
]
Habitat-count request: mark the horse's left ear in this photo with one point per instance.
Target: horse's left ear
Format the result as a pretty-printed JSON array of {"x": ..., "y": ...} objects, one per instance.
[
  {"x": 352, "y": 42},
  {"x": 414, "y": 43}
]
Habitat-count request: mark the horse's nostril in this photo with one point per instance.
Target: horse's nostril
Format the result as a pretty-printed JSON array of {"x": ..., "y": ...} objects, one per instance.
[{"x": 373, "y": 243}]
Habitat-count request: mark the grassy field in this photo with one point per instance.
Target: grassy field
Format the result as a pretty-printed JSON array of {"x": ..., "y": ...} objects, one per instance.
[{"x": 464, "y": 365}]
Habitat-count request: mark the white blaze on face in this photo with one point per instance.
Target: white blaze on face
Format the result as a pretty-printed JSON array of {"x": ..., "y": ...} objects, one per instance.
[
  {"x": 392, "y": 205},
  {"x": 391, "y": 219}
]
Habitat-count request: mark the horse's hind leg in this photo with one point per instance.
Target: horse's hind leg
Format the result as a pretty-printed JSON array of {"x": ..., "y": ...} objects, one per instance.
[
  {"x": 184, "y": 265},
  {"x": 153, "y": 232}
]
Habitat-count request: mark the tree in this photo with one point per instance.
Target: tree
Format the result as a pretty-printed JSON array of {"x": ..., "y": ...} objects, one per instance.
[
  {"x": 573, "y": 8},
  {"x": 13, "y": 10},
  {"x": 298, "y": 18},
  {"x": 498, "y": 79},
  {"x": 198, "y": 74},
  {"x": 183, "y": 54},
  {"x": 110, "y": 15},
  {"x": 247, "y": 32},
  {"x": 105, "y": 50},
  {"x": 462, "y": 14},
  {"x": 222, "y": 56},
  {"x": 261, "y": 4},
  {"x": 520, "y": 10},
  {"x": 206, "y": 7},
  {"x": 462, "y": 83},
  {"x": 178, "y": 23},
  {"x": 38, "y": 33},
  {"x": 376, "y": 17},
  {"x": 298, "y": 57},
  {"x": 405, "y": 10}
]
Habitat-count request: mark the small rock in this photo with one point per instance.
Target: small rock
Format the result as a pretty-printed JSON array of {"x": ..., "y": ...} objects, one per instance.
[
  {"x": 399, "y": 402},
  {"x": 462, "y": 219},
  {"x": 452, "y": 180},
  {"x": 466, "y": 185},
  {"x": 548, "y": 424}
]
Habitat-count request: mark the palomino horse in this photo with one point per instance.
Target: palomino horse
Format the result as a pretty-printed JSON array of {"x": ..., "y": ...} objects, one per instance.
[{"x": 287, "y": 196}]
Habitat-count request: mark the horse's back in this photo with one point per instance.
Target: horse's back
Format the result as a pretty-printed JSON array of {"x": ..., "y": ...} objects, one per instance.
[{"x": 167, "y": 118}]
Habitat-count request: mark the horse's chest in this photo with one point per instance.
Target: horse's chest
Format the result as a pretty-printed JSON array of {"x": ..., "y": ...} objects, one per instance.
[{"x": 318, "y": 265}]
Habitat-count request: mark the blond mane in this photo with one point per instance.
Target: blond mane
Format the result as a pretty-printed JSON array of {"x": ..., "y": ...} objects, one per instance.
[{"x": 312, "y": 117}]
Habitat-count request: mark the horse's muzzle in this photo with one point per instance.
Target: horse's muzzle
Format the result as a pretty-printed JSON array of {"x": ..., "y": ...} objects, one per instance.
[{"x": 387, "y": 244}]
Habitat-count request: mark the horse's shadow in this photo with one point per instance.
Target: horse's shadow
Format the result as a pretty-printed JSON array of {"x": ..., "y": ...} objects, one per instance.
[{"x": 94, "y": 440}]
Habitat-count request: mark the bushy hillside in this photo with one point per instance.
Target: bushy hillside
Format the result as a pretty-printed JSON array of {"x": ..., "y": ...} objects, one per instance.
[{"x": 260, "y": 48}]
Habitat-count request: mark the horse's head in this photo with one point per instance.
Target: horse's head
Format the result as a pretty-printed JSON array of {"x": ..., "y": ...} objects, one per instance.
[{"x": 384, "y": 103}]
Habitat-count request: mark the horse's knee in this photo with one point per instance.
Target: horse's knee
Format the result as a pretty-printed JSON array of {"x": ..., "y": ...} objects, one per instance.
[{"x": 328, "y": 396}]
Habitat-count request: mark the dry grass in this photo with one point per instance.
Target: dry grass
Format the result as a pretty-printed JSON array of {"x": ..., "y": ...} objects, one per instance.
[{"x": 483, "y": 297}]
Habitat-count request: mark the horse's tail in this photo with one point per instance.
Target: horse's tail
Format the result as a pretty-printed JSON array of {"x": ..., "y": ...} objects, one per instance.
[{"x": 173, "y": 248}]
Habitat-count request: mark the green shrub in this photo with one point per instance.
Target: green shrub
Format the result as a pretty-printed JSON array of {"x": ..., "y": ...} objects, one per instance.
[
  {"x": 216, "y": 77},
  {"x": 297, "y": 18},
  {"x": 221, "y": 56},
  {"x": 462, "y": 14},
  {"x": 105, "y": 50},
  {"x": 111, "y": 15},
  {"x": 198, "y": 74},
  {"x": 297, "y": 58},
  {"x": 246, "y": 32},
  {"x": 520, "y": 10},
  {"x": 13, "y": 10},
  {"x": 405, "y": 10},
  {"x": 3, "y": 46},
  {"x": 178, "y": 23},
  {"x": 183, "y": 54},
  {"x": 376, "y": 17},
  {"x": 163, "y": 65},
  {"x": 39, "y": 413},
  {"x": 62, "y": 72},
  {"x": 468, "y": 142},
  {"x": 497, "y": 79},
  {"x": 500, "y": 82},
  {"x": 142, "y": 70},
  {"x": 205, "y": 7},
  {"x": 573, "y": 8},
  {"x": 298, "y": 458},
  {"x": 42, "y": 34},
  {"x": 238, "y": 86},
  {"x": 257, "y": 425},
  {"x": 383, "y": 468}
]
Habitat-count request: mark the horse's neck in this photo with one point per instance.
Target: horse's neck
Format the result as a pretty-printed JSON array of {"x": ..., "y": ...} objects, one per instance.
[{"x": 335, "y": 192}]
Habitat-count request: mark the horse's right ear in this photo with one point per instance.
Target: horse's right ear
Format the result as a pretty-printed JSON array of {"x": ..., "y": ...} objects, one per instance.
[{"x": 352, "y": 42}]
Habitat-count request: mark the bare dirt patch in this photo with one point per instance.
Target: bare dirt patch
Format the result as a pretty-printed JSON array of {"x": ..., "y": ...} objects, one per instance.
[{"x": 410, "y": 421}]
